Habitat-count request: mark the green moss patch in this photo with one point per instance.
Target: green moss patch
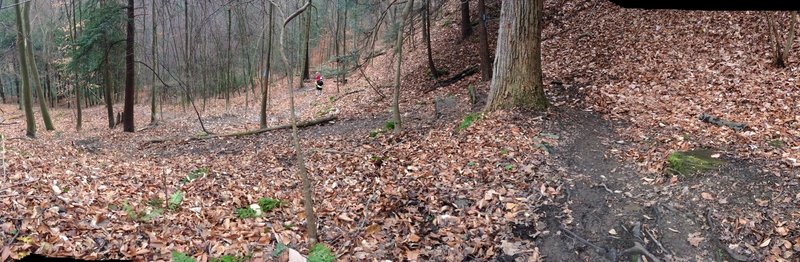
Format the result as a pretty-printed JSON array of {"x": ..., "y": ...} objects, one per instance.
[{"x": 692, "y": 162}]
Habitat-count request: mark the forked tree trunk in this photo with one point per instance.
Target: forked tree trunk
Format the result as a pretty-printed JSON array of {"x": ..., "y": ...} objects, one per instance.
[
  {"x": 398, "y": 124},
  {"x": 781, "y": 47},
  {"x": 34, "y": 71},
  {"x": 517, "y": 80},
  {"x": 30, "y": 120},
  {"x": 308, "y": 199},
  {"x": 486, "y": 62}
]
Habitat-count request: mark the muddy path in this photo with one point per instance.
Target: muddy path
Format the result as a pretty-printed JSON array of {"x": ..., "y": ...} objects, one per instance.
[{"x": 607, "y": 206}]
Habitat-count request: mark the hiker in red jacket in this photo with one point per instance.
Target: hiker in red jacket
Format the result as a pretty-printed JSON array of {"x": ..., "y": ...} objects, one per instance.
[{"x": 318, "y": 79}]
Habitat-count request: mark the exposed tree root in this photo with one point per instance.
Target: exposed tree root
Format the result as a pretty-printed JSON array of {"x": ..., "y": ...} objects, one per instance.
[{"x": 637, "y": 249}]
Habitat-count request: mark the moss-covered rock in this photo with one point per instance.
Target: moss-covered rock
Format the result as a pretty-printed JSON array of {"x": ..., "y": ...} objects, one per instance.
[{"x": 691, "y": 162}]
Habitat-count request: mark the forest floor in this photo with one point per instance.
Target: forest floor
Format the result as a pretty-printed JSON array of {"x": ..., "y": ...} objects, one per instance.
[{"x": 581, "y": 181}]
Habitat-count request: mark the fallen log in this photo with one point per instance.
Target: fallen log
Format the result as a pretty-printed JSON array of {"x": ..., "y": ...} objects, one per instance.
[
  {"x": 455, "y": 78},
  {"x": 286, "y": 126},
  {"x": 244, "y": 133},
  {"x": 721, "y": 122}
]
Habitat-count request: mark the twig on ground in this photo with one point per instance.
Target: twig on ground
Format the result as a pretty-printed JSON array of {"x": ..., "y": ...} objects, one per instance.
[
  {"x": 611, "y": 254},
  {"x": 655, "y": 240},
  {"x": 639, "y": 249},
  {"x": 349, "y": 93},
  {"x": 366, "y": 210},
  {"x": 599, "y": 249},
  {"x": 17, "y": 228},
  {"x": 3, "y": 156},
  {"x": 731, "y": 253},
  {"x": 17, "y": 184},
  {"x": 605, "y": 187},
  {"x": 333, "y": 151}
]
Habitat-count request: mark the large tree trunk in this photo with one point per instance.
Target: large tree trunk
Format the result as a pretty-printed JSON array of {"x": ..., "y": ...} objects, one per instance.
[
  {"x": 130, "y": 74},
  {"x": 30, "y": 120},
  {"x": 398, "y": 124},
  {"x": 486, "y": 62},
  {"x": 37, "y": 83},
  {"x": 153, "y": 90},
  {"x": 517, "y": 80},
  {"x": 265, "y": 79},
  {"x": 426, "y": 35},
  {"x": 466, "y": 25}
]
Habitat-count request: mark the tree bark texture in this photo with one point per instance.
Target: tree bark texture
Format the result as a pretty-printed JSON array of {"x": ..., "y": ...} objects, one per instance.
[
  {"x": 398, "y": 124},
  {"x": 517, "y": 80},
  {"x": 130, "y": 74}
]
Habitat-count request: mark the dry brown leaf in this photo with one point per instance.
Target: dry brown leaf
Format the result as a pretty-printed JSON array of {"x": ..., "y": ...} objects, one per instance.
[
  {"x": 412, "y": 255},
  {"x": 413, "y": 238},
  {"x": 765, "y": 243},
  {"x": 782, "y": 231},
  {"x": 706, "y": 196},
  {"x": 372, "y": 229},
  {"x": 695, "y": 239}
]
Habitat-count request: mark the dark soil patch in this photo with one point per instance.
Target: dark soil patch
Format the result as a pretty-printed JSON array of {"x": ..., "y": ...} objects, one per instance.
[{"x": 604, "y": 200}]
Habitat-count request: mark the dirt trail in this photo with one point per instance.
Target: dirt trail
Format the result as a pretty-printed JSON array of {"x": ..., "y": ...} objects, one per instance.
[{"x": 605, "y": 198}]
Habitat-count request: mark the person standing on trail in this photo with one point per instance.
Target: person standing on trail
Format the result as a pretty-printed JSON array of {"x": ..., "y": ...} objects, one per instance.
[{"x": 319, "y": 82}]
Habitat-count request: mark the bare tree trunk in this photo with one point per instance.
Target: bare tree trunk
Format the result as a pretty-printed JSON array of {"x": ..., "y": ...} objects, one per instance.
[
  {"x": 49, "y": 85},
  {"x": 426, "y": 35},
  {"x": 306, "y": 63},
  {"x": 108, "y": 91},
  {"x": 517, "y": 80},
  {"x": 790, "y": 38},
  {"x": 76, "y": 84},
  {"x": 336, "y": 44},
  {"x": 265, "y": 79},
  {"x": 398, "y": 124},
  {"x": 311, "y": 217},
  {"x": 781, "y": 46},
  {"x": 2, "y": 89},
  {"x": 37, "y": 82},
  {"x": 228, "y": 74},
  {"x": 30, "y": 120},
  {"x": 466, "y": 25},
  {"x": 486, "y": 62},
  {"x": 153, "y": 90},
  {"x": 130, "y": 74}
]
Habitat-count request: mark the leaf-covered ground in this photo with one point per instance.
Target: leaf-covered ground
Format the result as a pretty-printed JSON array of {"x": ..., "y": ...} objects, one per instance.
[{"x": 626, "y": 85}]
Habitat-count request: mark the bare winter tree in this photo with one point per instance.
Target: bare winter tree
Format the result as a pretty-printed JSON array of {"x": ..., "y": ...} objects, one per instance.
[
  {"x": 781, "y": 45},
  {"x": 398, "y": 50},
  {"x": 308, "y": 199}
]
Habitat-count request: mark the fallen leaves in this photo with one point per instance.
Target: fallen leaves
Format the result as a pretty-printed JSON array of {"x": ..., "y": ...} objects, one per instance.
[
  {"x": 706, "y": 196},
  {"x": 695, "y": 239}
]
